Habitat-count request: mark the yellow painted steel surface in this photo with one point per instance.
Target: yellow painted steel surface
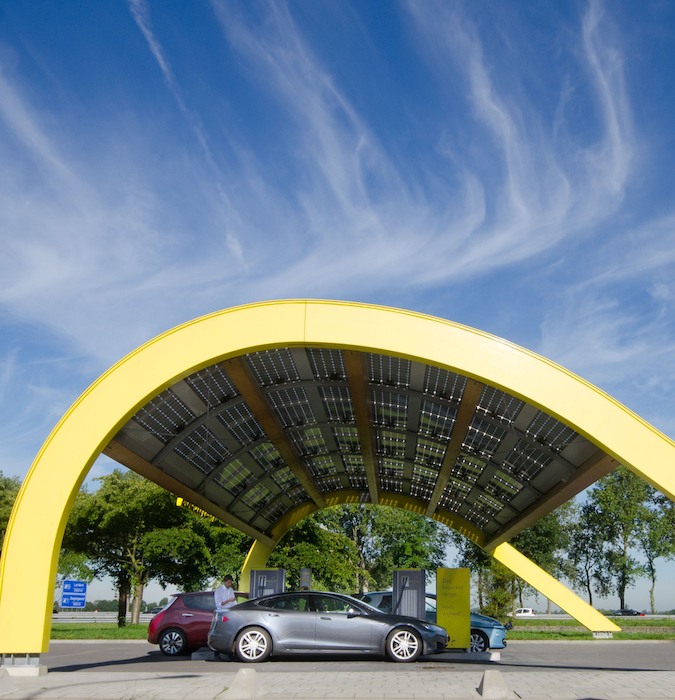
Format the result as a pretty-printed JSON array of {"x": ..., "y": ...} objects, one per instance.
[
  {"x": 35, "y": 530},
  {"x": 553, "y": 589},
  {"x": 453, "y": 605},
  {"x": 256, "y": 559}
]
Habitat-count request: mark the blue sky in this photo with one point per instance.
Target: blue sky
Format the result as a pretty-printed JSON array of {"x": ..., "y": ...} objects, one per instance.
[{"x": 504, "y": 165}]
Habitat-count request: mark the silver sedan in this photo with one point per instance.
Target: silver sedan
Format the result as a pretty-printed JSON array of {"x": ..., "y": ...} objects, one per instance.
[{"x": 315, "y": 622}]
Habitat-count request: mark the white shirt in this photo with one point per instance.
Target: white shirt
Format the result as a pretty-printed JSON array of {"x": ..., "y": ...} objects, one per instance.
[{"x": 224, "y": 597}]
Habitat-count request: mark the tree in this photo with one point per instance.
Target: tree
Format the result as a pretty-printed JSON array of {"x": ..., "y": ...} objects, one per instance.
[
  {"x": 228, "y": 548},
  {"x": 497, "y": 587},
  {"x": 72, "y": 565},
  {"x": 656, "y": 538},
  {"x": 131, "y": 530},
  {"x": 585, "y": 552},
  {"x": 477, "y": 560},
  {"x": 545, "y": 542},
  {"x": 385, "y": 539},
  {"x": 620, "y": 501},
  {"x": 9, "y": 488},
  {"x": 332, "y": 556},
  {"x": 500, "y": 591}
]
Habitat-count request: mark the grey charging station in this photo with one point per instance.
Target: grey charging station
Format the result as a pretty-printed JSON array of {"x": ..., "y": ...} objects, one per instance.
[
  {"x": 267, "y": 582},
  {"x": 408, "y": 594}
]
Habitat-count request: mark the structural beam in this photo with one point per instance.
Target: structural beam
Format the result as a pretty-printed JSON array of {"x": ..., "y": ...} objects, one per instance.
[
  {"x": 131, "y": 460},
  {"x": 555, "y": 591},
  {"x": 240, "y": 377},
  {"x": 465, "y": 412},
  {"x": 591, "y": 470},
  {"x": 356, "y": 376}
]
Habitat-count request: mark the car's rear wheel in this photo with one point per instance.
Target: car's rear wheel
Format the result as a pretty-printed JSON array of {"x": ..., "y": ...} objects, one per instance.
[
  {"x": 172, "y": 642},
  {"x": 253, "y": 645},
  {"x": 404, "y": 645},
  {"x": 479, "y": 641}
]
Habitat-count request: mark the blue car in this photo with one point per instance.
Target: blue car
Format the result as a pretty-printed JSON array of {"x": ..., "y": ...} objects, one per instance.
[{"x": 486, "y": 632}]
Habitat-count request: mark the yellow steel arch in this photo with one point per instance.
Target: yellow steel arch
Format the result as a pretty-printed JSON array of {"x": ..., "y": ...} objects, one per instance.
[{"x": 35, "y": 529}]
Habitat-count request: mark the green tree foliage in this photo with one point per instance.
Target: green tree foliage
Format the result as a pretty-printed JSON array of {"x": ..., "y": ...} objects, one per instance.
[
  {"x": 478, "y": 561},
  {"x": 228, "y": 548},
  {"x": 545, "y": 542},
  {"x": 585, "y": 552},
  {"x": 9, "y": 488},
  {"x": 495, "y": 585},
  {"x": 385, "y": 539},
  {"x": 497, "y": 588},
  {"x": 656, "y": 537},
  {"x": 131, "y": 530},
  {"x": 620, "y": 502},
  {"x": 500, "y": 591},
  {"x": 332, "y": 556}
]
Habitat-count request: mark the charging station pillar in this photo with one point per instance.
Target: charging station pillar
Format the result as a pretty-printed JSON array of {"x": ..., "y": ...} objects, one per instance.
[
  {"x": 267, "y": 582},
  {"x": 408, "y": 594}
]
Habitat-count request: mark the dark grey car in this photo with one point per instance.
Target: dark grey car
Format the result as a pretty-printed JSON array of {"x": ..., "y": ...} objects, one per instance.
[{"x": 314, "y": 622}]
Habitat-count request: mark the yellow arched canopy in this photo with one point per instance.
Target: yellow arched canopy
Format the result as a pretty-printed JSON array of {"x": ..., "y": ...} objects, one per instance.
[{"x": 263, "y": 413}]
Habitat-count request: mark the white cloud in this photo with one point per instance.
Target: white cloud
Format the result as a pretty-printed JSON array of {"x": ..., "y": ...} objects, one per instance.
[{"x": 157, "y": 223}]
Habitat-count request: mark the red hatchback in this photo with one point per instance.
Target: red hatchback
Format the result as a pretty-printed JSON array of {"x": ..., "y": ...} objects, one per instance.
[{"x": 183, "y": 624}]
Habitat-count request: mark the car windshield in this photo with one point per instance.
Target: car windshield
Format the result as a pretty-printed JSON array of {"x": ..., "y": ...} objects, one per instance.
[{"x": 362, "y": 605}]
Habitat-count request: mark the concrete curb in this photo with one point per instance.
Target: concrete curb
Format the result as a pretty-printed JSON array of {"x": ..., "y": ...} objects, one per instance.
[
  {"x": 6, "y": 685},
  {"x": 243, "y": 686},
  {"x": 492, "y": 686}
]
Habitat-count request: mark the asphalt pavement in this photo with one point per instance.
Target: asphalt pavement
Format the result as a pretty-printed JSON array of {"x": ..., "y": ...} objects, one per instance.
[{"x": 602, "y": 670}]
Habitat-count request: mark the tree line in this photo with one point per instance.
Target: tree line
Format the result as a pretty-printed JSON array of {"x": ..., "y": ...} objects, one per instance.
[
  {"x": 601, "y": 544},
  {"x": 131, "y": 530}
]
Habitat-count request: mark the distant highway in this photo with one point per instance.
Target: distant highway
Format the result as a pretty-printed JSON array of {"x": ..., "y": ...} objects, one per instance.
[
  {"x": 82, "y": 616},
  {"x": 86, "y": 616}
]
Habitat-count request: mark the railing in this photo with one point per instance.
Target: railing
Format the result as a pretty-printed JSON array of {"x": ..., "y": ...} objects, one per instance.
[{"x": 92, "y": 616}]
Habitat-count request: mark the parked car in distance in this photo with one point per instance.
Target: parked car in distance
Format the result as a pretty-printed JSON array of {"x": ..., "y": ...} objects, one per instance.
[
  {"x": 486, "y": 632},
  {"x": 182, "y": 625},
  {"x": 525, "y": 612},
  {"x": 318, "y": 622},
  {"x": 626, "y": 612}
]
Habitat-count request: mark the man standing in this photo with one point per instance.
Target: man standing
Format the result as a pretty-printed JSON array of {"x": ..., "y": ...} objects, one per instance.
[{"x": 224, "y": 595}]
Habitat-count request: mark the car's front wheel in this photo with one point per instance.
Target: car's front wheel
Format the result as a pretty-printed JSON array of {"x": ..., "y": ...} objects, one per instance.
[
  {"x": 172, "y": 642},
  {"x": 253, "y": 645},
  {"x": 479, "y": 641},
  {"x": 404, "y": 645}
]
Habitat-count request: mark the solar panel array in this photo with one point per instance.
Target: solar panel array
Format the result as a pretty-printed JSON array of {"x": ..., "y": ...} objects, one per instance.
[{"x": 253, "y": 451}]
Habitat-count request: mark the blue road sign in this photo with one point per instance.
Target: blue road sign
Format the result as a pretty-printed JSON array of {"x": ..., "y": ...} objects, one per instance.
[
  {"x": 70, "y": 586},
  {"x": 73, "y": 600},
  {"x": 74, "y": 594}
]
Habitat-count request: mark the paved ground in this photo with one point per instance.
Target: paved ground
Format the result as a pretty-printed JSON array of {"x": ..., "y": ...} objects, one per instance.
[{"x": 612, "y": 671}]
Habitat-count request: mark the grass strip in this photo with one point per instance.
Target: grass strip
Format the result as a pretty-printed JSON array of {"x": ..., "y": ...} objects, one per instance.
[{"x": 97, "y": 630}]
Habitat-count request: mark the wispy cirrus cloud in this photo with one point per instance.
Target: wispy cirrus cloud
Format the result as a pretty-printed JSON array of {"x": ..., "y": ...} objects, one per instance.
[
  {"x": 537, "y": 192},
  {"x": 506, "y": 199},
  {"x": 548, "y": 186}
]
